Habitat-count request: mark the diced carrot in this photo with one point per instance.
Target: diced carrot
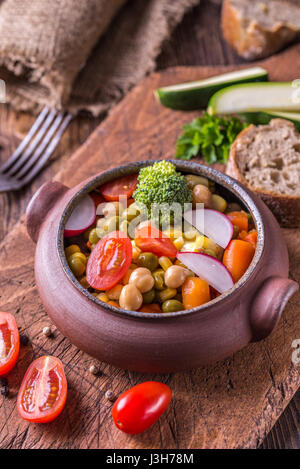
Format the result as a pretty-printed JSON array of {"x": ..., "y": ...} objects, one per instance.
[
  {"x": 195, "y": 292},
  {"x": 113, "y": 303},
  {"x": 150, "y": 308},
  {"x": 237, "y": 257},
  {"x": 250, "y": 237},
  {"x": 89, "y": 246},
  {"x": 239, "y": 219}
]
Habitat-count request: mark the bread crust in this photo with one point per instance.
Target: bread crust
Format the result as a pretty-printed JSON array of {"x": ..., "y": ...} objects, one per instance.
[
  {"x": 250, "y": 40},
  {"x": 286, "y": 208}
]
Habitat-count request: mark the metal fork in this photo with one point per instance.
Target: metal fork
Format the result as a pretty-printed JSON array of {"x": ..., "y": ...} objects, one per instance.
[{"x": 34, "y": 151}]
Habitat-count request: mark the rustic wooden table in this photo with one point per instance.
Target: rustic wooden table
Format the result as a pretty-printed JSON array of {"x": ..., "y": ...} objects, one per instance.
[{"x": 197, "y": 41}]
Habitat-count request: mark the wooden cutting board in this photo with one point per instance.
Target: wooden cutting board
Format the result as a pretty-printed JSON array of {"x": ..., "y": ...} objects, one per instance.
[{"x": 231, "y": 404}]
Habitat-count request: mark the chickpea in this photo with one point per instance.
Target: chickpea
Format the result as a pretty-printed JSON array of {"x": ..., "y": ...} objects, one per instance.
[
  {"x": 131, "y": 298},
  {"x": 175, "y": 276},
  {"x": 193, "y": 180},
  {"x": 142, "y": 279},
  {"x": 201, "y": 194}
]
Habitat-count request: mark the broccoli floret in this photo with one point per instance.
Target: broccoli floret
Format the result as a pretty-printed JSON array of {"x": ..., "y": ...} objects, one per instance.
[{"x": 161, "y": 184}]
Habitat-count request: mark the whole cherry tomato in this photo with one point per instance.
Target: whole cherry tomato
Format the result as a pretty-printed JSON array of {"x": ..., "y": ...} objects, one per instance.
[
  {"x": 121, "y": 187},
  {"x": 9, "y": 343},
  {"x": 109, "y": 261},
  {"x": 43, "y": 392},
  {"x": 141, "y": 406},
  {"x": 150, "y": 239}
]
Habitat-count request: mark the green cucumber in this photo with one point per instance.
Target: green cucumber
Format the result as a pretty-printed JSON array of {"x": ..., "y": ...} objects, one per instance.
[
  {"x": 274, "y": 96},
  {"x": 265, "y": 117},
  {"x": 196, "y": 94}
]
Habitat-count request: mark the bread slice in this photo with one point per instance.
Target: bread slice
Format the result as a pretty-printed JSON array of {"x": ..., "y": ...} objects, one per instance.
[
  {"x": 266, "y": 159},
  {"x": 258, "y": 28}
]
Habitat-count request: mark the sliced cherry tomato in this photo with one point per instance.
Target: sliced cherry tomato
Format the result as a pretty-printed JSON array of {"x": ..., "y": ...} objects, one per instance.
[
  {"x": 109, "y": 261},
  {"x": 124, "y": 186},
  {"x": 150, "y": 239},
  {"x": 139, "y": 407},
  {"x": 43, "y": 392},
  {"x": 9, "y": 343}
]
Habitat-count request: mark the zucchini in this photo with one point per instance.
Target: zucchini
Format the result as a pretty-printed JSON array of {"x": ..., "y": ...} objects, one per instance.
[
  {"x": 196, "y": 94},
  {"x": 274, "y": 96},
  {"x": 265, "y": 117}
]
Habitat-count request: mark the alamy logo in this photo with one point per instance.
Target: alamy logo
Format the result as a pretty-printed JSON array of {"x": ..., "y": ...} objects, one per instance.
[{"x": 2, "y": 92}]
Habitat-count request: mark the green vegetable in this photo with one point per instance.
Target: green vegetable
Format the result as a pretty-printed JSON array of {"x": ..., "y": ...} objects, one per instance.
[
  {"x": 161, "y": 184},
  {"x": 250, "y": 97},
  {"x": 265, "y": 117},
  {"x": 196, "y": 94},
  {"x": 209, "y": 136}
]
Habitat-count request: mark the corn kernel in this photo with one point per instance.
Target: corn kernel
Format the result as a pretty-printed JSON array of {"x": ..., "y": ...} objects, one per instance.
[
  {"x": 103, "y": 297},
  {"x": 190, "y": 235},
  {"x": 173, "y": 233},
  {"x": 135, "y": 251},
  {"x": 177, "y": 262},
  {"x": 178, "y": 243},
  {"x": 115, "y": 292},
  {"x": 164, "y": 262}
]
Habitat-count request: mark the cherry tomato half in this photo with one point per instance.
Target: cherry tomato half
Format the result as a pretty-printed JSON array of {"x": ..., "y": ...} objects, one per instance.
[
  {"x": 124, "y": 186},
  {"x": 139, "y": 407},
  {"x": 109, "y": 261},
  {"x": 150, "y": 239},
  {"x": 9, "y": 343},
  {"x": 43, "y": 392}
]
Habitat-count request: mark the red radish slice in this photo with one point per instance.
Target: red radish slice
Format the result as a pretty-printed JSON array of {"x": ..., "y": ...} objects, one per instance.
[
  {"x": 213, "y": 224},
  {"x": 82, "y": 217},
  {"x": 209, "y": 268}
]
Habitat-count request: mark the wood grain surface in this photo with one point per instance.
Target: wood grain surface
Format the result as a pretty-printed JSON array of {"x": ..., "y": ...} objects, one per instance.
[
  {"x": 196, "y": 417},
  {"x": 230, "y": 404}
]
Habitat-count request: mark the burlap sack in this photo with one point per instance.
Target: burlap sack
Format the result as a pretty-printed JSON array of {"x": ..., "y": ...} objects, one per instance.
[{"x": 50, "y": 52}]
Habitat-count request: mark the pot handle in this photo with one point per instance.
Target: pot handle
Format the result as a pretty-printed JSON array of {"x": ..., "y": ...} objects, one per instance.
[
  {"x": 40, "y": 204},
  {"x": 269, "y": 304}
]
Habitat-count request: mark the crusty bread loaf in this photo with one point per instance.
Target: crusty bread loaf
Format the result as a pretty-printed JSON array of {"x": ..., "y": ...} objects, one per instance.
[
  {"x": 258, "y": 28},
  {"x": 266, "y": 159}
]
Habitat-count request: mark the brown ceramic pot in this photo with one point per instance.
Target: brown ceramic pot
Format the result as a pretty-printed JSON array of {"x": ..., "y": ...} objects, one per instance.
[{"x": 159, "y": 342}]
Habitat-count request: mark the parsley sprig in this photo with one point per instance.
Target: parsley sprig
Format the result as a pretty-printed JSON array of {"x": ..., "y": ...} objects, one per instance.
[{"x": 209, "y": 136}]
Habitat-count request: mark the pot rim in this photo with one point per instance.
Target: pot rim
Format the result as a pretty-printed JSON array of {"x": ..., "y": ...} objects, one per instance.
[{"x": 220, "y": 178}]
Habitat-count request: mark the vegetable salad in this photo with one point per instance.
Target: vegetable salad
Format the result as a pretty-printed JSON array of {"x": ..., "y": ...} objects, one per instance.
[{"x": 132, "y": 259}]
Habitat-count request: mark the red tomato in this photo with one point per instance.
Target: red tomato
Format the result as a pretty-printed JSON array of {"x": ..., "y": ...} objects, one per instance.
[
  {"x": 43, "y": 392},
  {"x": 124, "y": 186},
  {"x": 150, "y": 239},
  {"x": 9, "y": 343},
  {"x": 109, "y": 261},
  {"x": 139, "y": 407}
]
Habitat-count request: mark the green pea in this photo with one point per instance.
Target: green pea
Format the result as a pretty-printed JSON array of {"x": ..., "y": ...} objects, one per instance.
[
  {"x": 148, "y": 260},
  {"x": 93, "y": 236},
  {"x": 77, "y": 266},
  {"x": 170, "y": 306},
  {"x": 111, "y": 224},
  {"x": 148, "y": 297},
  {"x": 159, "y": 279},
  {"x": 166, "y": 294}
]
